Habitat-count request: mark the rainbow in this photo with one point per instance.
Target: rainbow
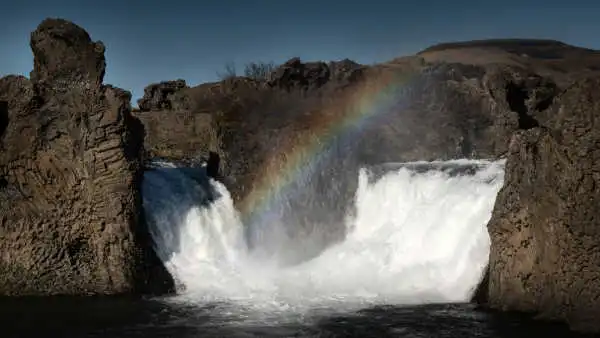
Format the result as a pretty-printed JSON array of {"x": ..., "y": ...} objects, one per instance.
[{"x": 299, "y": 155}]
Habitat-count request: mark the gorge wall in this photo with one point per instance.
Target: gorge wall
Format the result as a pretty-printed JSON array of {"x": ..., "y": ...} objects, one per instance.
[{"x": 545, "y": 227}]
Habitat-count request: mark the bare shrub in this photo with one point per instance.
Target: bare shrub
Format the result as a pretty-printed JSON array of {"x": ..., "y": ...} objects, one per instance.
[
  {"x": 254, "y": 70},
  {"x": 258, "y": 70},
  {"x": 229, "y": 72}
]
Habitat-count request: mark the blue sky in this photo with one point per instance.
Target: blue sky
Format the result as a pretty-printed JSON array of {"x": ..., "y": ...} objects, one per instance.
[{"x": 149, "y": 41}]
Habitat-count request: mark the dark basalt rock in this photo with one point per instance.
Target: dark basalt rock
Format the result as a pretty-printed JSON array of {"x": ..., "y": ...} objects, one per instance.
[
  {"x": 545, "y": 225},
  {"x": 71, "y": 218},
  {"x": 3, "y": 117},
  {"x": 294, "y": 74},
  {"x": 310, "y": 76},
  {"x": 165, "y": 95},
  {"x": 212, "y": 165}
]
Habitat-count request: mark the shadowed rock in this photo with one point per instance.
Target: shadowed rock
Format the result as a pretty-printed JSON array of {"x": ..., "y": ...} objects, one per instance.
[
  {"x": 3, "y": 117},
  {"x": 212, "y": 165},
  {"x": 71, "y": 219}
]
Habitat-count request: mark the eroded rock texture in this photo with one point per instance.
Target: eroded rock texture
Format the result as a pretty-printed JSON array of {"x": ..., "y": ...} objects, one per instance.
[
  {"x": 164, "y": 95},
  {"x": 71, "y": 219},
  {"x": 545, "y": 227}
]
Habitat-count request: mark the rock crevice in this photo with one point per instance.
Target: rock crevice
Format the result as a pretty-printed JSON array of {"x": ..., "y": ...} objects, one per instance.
[
  {"x": 3, "y": 117},
  {"x": 517, "y": 101}
]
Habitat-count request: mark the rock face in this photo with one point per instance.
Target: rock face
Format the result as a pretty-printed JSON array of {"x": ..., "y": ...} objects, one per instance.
[
  {"x": 545, "y": 227},
  {"x": 297, "y": 75},
  {"x": 164, "y": 95},
  {"x": 197, "y": 136},
  {"x": 71, "y": 219}
]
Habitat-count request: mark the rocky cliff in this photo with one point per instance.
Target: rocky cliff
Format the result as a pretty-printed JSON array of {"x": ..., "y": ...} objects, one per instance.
[
  {"x": 545, "y": 227},
  {"x": 71, "y": 219}
]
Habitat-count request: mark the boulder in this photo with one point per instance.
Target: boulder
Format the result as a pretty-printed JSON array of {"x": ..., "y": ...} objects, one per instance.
[
  {"x": 294, "y": 74},
  {"x": 71, "y": 217},
  {"x": 545, "y": 227}
]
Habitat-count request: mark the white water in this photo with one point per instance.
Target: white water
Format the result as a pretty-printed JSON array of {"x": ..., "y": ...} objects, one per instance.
[{"x": 416, "y": 238}]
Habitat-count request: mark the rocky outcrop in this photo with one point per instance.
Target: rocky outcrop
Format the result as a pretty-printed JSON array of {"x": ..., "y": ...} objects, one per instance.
[
  {"x": 71, "y": 219},
  {"x": 308, "y": 76},
  {"x": 178, "y": 134},
  {"x": 187, "y": 123},
  {"x": 165, "y": 95},
  {"x": 545, "y": 227}
]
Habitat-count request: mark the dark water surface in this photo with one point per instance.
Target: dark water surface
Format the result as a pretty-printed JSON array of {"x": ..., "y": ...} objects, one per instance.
[{"x": 110, "y": 317}]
